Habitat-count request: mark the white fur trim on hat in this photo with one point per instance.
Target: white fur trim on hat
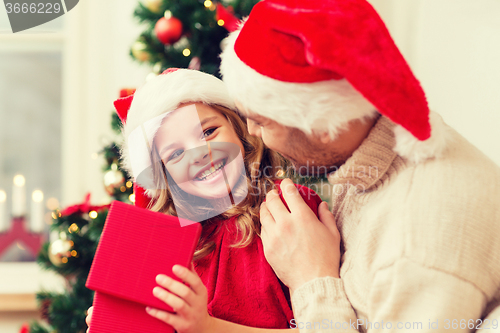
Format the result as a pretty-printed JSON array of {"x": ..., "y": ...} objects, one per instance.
[
  {"x": 325, "y": 106},
  {"x": 159, "y": 96}
]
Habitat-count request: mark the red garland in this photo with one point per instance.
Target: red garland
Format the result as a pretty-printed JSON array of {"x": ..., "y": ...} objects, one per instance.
[{"x": 83, "y": 208}]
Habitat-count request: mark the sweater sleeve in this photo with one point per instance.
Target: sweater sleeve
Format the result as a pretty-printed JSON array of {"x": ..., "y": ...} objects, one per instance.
[
  {"x": 321, "y": 305},
  {"x": 404, "y": 296}
]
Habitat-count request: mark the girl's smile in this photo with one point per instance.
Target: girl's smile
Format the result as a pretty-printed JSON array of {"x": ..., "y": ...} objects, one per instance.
[{"x": 210, "y": 172}]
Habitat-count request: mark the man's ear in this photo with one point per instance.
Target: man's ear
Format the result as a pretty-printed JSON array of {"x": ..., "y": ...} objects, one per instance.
[{"x": 324, "y": 137}]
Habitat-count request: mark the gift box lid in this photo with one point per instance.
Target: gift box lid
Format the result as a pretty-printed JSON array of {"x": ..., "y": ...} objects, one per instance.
[{"x": 135, "y": 246}]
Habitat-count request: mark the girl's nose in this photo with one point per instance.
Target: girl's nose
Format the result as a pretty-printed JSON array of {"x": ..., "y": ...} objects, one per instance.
[{"x": 198, "y": 154}]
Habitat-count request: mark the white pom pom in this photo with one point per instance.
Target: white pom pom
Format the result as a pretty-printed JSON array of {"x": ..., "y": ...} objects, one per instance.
[{"x": 417, "y": 151}]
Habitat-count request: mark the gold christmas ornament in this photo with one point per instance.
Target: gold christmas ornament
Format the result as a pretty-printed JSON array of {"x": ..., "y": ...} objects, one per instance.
[
  {"x": 113, "y": 180},
  {"x": 153, "y": 5},
  {"x": 139, "y": 51},
  {"x": 59, "y": 251}
]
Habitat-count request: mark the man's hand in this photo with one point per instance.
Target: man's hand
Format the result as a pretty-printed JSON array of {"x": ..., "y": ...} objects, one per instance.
[{"x": 297, "y": 245}]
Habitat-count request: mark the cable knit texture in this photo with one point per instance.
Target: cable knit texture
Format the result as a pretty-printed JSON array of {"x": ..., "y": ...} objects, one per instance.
[{"x": 420, "y": 242}]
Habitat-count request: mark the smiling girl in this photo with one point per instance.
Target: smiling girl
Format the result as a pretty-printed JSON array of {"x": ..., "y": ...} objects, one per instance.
[
  {"x": 192, "y": 153},
  {"x": 199, "y": 154}
]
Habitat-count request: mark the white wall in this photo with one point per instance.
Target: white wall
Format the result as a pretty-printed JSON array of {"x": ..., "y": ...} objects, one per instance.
[
  {"x": 458, "y": 60},
  {"x": 453, "y": 46},
  {"x": 97, "y": 65}
]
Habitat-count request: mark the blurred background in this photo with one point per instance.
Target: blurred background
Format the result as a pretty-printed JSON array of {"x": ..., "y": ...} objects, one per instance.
[{"x": 58, "y": 82}]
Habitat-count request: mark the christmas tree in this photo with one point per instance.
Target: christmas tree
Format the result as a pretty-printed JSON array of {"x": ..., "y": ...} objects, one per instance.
[
  {"x": 186, "y": 33},
  {"x": 78, "y": 229}
]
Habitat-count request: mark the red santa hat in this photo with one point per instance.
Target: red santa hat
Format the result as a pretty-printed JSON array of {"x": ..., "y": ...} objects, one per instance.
[
  {"x": 143, "y": 112},
  {"x": 316, "y": 65}
]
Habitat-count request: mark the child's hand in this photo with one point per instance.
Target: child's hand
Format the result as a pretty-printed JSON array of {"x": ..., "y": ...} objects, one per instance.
[
  {"x": 189, "y": 302},
  {"x": 89, "y": 317}
]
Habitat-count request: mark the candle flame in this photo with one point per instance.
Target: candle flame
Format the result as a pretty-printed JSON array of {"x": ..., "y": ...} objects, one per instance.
[
  {"x": 37, "y": 196},
  {"x": 19, "y": 180}
]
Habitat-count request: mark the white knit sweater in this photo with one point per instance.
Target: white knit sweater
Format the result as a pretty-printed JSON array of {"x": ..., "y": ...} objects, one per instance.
[{"x": 421, "y": 242}]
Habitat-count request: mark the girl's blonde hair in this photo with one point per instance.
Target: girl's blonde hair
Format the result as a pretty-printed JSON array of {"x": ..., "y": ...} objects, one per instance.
[{"x": 261, "y": 166}]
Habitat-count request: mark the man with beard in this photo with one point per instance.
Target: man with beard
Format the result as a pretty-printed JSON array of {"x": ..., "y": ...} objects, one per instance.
[{"x": 323, "y": 83}]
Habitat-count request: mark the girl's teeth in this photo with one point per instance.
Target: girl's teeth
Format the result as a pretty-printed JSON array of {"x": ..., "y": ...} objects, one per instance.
[{"x": 208, "y": 172}]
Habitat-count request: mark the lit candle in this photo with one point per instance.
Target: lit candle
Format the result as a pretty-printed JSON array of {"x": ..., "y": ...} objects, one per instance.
[
  {"x": 3, "y": 220},
  {"x": 37, "y": 211},
  {"x": 19, "y": 196}
]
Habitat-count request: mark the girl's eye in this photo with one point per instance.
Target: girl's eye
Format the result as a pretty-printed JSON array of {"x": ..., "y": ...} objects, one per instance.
[
  {"x": 209, "y": 131},
  {"x": 176, "y": 154}
]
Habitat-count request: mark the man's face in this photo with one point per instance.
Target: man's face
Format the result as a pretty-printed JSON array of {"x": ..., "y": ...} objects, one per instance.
[{"x": 307, "y": 154}]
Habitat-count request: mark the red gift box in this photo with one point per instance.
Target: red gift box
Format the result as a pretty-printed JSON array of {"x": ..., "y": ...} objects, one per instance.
[{"x": 135, "y": 246}]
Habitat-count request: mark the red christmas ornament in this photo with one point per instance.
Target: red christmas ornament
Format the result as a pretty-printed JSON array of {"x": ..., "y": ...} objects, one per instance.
[
  {"x": 25, "y": 329},
  {"x": 168, "y": 30}
]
